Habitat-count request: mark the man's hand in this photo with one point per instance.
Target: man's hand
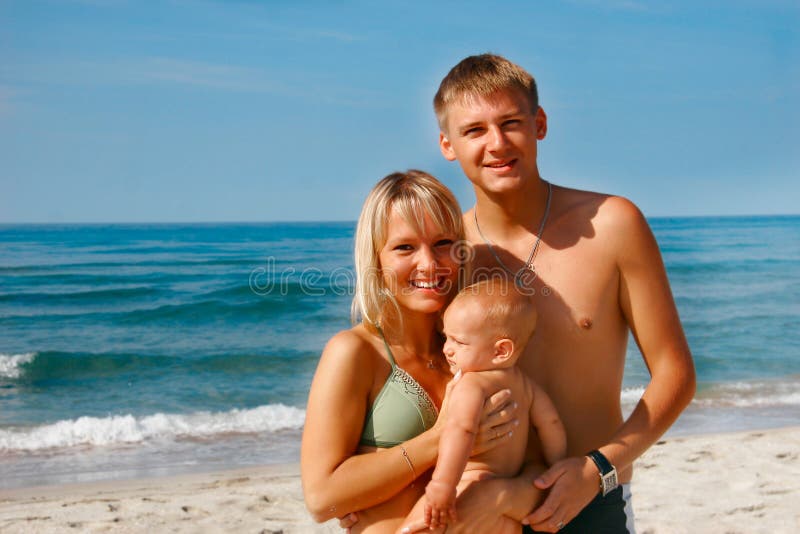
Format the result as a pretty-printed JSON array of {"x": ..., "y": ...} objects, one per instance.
[
  {"x": 498, "y": 421},
  {"x": 573, "y": 483}
]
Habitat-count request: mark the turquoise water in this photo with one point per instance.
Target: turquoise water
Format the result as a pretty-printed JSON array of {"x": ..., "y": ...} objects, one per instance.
[{"x": 151, "y": 349}]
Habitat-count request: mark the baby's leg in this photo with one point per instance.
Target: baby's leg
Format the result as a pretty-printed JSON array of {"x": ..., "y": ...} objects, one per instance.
[
  {"x": 504, "y": 524},
  {"x": 416, "y": 517}
]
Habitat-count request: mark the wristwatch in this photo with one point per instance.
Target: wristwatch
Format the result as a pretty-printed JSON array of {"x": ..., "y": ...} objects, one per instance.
[{"x": 608, "y": 473}]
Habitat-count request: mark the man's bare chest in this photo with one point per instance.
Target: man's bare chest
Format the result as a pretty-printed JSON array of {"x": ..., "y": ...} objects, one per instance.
[{"x": 571, "y": 287}]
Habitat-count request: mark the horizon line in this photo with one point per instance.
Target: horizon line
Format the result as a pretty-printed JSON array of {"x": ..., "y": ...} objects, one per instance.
[{"x": 353, "y": 221}]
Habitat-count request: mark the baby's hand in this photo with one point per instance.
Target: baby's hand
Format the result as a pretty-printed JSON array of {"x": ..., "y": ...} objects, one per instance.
[{"x": 440, "y": 504}]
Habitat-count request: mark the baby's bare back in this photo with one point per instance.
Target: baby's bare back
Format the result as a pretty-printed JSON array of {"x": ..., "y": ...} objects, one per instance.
[{"x": 504, "y": 460}]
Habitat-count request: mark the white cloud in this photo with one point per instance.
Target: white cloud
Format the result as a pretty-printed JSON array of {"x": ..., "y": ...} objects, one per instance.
[
  {"x": 335, "y": 35},
  {"x": 201, "y": 74},
  {"x": 6, "y": 96},
  {"x": 619, "y": 5},
  {"x": 190, "y": 74},
  {"x": 146, "y": 71}
]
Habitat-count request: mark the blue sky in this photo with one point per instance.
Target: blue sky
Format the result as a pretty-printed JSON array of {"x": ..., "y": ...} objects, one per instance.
[{"x": 280, "y": 110}]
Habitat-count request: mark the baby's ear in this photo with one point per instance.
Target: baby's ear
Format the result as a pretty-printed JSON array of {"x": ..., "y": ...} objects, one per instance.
[{"x": 503, "y": 349}]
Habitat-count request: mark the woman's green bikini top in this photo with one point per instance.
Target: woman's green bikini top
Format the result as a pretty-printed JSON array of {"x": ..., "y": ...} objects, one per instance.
[{"x": 401, "y": 411}]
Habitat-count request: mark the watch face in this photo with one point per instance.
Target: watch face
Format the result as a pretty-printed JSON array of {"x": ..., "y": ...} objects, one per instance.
[{"x": 609, "y": 482}]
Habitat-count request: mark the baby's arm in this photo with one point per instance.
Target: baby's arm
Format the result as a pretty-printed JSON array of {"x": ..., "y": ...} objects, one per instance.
[
  {"x": 547, "y": 422},
  {"x": 455, "y": 446}
]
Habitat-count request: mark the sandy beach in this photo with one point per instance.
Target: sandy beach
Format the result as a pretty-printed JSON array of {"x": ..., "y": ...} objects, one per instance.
[{"x": 739, "y": 482}]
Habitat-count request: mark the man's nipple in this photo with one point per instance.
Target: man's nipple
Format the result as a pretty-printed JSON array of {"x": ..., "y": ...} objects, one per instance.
[{"x": 586, "y": 323}]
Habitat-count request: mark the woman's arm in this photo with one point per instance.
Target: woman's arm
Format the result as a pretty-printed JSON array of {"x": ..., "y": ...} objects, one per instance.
[
  {"x": 336, "y": 480},
  {"x": 498, "y": 422}
]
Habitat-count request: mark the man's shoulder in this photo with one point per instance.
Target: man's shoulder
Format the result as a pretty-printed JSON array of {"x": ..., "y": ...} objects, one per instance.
[{"x": 606, "y": 212}]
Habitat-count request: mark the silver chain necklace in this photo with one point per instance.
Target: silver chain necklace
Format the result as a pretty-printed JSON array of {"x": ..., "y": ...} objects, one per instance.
[{"x": 527, "y": 270}]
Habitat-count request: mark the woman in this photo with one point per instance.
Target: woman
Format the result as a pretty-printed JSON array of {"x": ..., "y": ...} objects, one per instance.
[{"x": 371, "y": 426}]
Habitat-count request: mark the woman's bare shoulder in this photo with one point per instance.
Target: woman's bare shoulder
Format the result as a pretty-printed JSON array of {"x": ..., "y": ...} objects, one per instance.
[{"x": 356, "y": 345}]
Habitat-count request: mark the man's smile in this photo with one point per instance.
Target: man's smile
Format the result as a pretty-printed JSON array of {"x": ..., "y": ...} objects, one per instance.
[{"x": 503, "y": 164}]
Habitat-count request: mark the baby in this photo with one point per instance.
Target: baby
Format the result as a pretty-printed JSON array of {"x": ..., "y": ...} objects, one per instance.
[{"x": 487, "y": 326}]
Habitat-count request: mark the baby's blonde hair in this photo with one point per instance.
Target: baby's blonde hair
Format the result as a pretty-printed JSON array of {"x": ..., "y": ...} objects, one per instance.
[{"x": 507, "y": 312}]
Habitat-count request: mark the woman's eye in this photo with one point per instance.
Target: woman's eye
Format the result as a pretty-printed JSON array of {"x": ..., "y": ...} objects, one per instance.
[
  {"x": 444, "y": 242},
  {"x": 403, "y": 247}
]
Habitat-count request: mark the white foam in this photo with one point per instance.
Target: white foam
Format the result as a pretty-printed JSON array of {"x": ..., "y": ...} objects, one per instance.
[
  {"x": 631, "y": 395},
  {"x": 752, "y": 394},
  {"x": 10, "y": 364},
  {"x": 94, "y": 431}
]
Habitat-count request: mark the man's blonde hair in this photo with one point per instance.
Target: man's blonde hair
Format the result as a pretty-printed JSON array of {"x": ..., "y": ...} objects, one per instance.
[
  {"x": 507, "y": 312},
  {"x": 414, "y": 194},
  {"x": 482, "y": 76}
]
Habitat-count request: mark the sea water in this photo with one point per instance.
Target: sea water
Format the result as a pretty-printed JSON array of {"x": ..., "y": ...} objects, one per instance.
[{"x": 138, "y": 350}]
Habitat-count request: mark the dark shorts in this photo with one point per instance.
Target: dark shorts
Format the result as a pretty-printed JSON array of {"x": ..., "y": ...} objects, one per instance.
[{"x": 604, "y": 515}]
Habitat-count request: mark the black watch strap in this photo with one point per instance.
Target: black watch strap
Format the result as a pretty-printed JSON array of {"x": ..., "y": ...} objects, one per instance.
[{"x": 608, "y": 473}]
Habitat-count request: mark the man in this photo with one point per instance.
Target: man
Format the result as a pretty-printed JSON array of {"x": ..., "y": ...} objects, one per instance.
[{"x": 595, "y": 272}]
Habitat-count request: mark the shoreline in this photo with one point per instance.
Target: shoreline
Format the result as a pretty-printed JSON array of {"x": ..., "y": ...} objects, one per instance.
[
  {"x": 733, "y": 482},
  {"x": 123, "y": 447}
]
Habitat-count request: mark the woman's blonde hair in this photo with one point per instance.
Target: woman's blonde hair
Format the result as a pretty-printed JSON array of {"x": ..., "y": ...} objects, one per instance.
[{"x": 414, "y": 194}]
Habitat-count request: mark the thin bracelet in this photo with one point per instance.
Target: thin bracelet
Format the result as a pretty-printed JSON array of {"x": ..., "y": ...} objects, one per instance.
[{"x": 410, "y": 464}]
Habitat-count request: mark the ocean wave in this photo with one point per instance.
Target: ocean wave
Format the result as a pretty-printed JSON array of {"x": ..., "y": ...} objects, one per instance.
[
  {"x": 258, "y": 308},
  {"x": 631, "y": 395},
  {"x": 751, "y": 394},
  {"x": 11, "y": 364},
  {"x": 56, "y": 365},
  {"x": 80, "y": 297},
  {"x": 732, "y": 266},
  {"x": 340, "y": 283},
  {"x": 127, "y": 429},
  {"x": 215, "y": 310},
  {"x": 35, "y": 269}
]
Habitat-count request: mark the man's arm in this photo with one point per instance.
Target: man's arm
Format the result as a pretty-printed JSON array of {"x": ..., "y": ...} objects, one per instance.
[{"x": 647, "y": 305}]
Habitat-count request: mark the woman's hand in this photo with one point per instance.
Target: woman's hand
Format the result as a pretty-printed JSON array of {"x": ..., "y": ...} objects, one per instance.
[{"x": 498, "y": 422}]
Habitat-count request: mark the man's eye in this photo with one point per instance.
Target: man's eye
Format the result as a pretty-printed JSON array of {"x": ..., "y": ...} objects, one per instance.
[
  {"x": 512, "y": 122},
  {"x": 473, "y": 131}
]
